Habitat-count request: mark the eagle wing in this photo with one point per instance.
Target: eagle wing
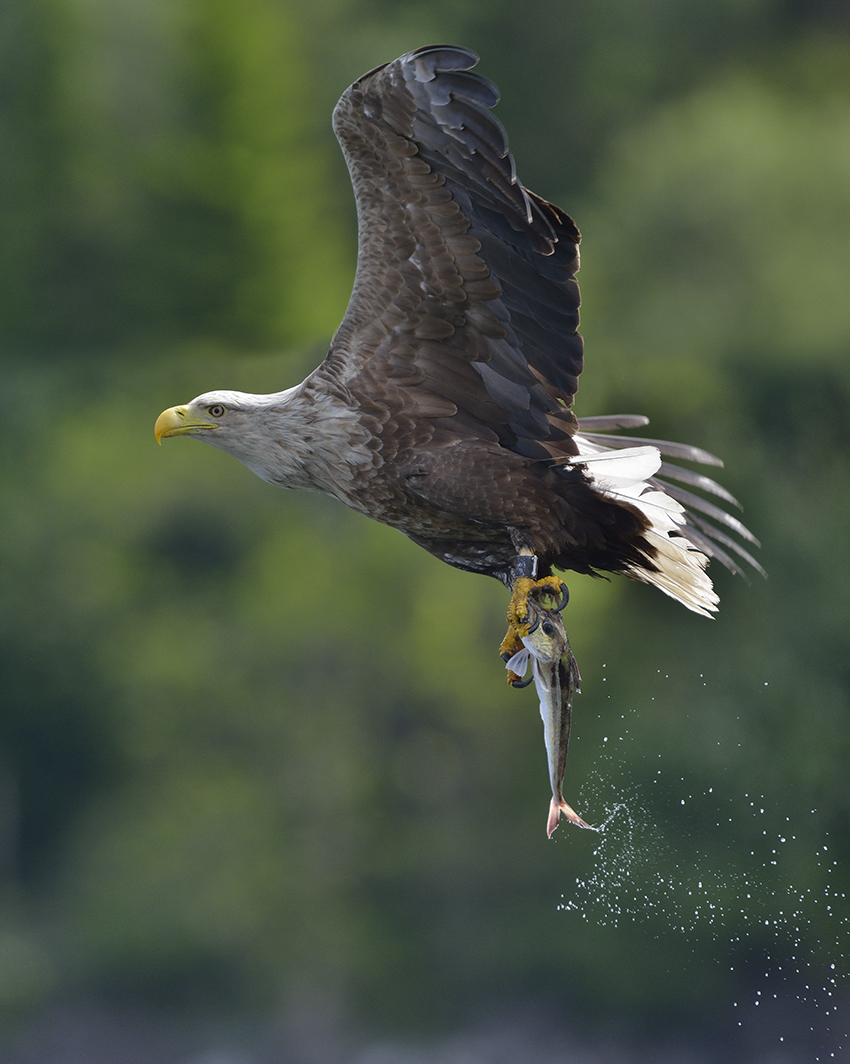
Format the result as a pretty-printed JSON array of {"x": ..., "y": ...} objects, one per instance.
[
  {"x": 463, "y": 321},
  {"x": 464, "y": 311}
]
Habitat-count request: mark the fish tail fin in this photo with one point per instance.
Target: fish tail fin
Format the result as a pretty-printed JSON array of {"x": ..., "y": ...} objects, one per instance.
[{"x": 555, "y": 810}]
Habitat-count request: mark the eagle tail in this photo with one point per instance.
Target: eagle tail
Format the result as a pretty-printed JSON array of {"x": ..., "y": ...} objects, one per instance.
[
  {"x": 676, "y": 567},
  {"x": 631, "y": 470}
]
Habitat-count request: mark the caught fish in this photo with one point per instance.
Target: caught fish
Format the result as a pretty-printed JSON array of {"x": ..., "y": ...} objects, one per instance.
[{"x": 556, "y": 678}]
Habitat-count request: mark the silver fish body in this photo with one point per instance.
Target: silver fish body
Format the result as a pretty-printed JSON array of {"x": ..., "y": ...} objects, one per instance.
[{"x": 556, "y": 679}]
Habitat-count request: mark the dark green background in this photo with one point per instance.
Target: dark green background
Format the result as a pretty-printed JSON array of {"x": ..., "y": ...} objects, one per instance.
[{"x": 256, "y": 750}]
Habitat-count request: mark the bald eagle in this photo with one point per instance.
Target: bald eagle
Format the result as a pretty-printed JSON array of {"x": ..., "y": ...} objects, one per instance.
[{"x": 444, "y": 407}]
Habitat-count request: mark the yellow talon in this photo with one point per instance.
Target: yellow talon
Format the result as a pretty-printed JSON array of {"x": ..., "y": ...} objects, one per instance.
[
  {"x": 519, "y": 620},
  {"x": 524, "y": 587},
  {"x": 518, "y": 606},
  {"x": 511, "y": 644}
]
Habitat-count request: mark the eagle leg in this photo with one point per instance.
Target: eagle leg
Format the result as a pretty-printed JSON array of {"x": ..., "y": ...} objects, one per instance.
[{"x": 525, "y": 586}]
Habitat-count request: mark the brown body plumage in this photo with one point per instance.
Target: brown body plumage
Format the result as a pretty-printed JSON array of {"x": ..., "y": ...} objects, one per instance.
[{"x": 444, "y": 406}]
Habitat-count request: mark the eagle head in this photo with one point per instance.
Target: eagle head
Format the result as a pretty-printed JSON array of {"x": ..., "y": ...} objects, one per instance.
[{"x": 215, "y": 417}]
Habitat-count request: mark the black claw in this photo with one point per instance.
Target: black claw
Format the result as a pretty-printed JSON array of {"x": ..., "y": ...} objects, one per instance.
[
  {"x": 533, "y": 627},
  {"x": 522, "y": 683},
  {"x": 565, "y": 597}
]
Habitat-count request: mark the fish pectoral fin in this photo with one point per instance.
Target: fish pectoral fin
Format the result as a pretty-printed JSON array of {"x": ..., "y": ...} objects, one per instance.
[{"x": 555, "y": 810}]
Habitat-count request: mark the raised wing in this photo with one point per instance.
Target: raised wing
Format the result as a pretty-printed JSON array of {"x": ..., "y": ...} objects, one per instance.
[{"x": 465, "y": 305}]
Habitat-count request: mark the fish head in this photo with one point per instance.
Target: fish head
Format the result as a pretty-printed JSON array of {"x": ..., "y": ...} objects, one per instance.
[{"x": 546, "y": 639}]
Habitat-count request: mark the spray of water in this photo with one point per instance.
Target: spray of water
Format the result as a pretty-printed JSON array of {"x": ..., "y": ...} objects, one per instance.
[{"x": 638, "y": 875}]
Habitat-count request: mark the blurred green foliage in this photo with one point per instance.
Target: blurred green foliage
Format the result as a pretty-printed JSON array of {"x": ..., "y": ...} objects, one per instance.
[{"x": 253, "y": 746}]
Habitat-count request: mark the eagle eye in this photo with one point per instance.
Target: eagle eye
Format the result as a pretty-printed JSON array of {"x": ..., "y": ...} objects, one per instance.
[{"x": 217, "y": 410}]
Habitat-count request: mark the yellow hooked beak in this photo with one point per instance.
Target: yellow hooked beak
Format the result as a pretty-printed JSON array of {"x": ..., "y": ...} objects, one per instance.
[{"x": 180, "y": 421}]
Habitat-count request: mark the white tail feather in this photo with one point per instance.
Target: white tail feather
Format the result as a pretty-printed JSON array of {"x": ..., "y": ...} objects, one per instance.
[{"x": 624, "y": 474}]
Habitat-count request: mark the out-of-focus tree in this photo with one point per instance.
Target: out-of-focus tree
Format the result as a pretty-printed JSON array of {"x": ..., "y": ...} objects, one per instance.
[
  {"x": 165, "y": 180},
  {"x": 720, "y": 249},
  {"x": 247, "y": 749}
]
